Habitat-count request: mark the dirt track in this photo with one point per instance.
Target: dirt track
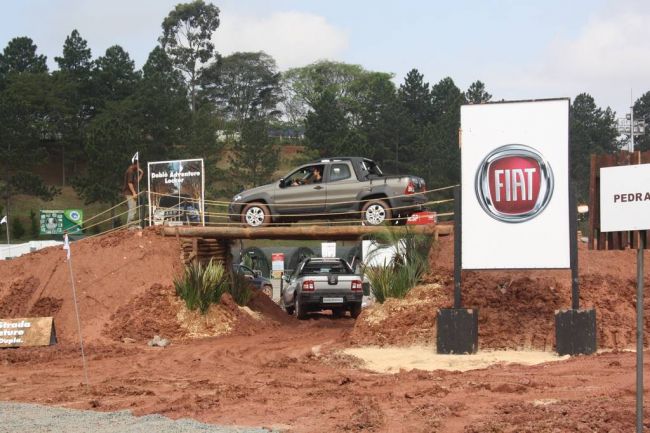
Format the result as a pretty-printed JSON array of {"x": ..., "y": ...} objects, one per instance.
[{"x": 276, "y": 372}]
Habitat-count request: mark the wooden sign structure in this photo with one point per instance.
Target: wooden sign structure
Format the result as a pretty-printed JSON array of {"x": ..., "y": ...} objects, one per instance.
[{"x": 31, "y": 331}]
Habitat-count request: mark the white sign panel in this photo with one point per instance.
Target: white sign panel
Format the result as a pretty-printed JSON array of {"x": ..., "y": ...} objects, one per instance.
[
  {"x": 625, "y": 198},
  {"x": 328, "y": 249},
  {"x": 515, "y": 185}
]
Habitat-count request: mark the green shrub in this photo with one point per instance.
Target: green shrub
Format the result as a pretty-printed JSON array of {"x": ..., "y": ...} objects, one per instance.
[
  {"x": 17, "y": 228},
  {"x": 200, "y": 286},
  {"x": 411, "y": 261},
  {"x": 34, "y": 224}
]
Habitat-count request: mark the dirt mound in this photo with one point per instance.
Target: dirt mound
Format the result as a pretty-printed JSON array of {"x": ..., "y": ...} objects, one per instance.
[
  {"x": 151, "y": 313},
  {"x": 516, "y": 308},
  {"x": 46, "y": 307},
  {"x": 109, "y": 271},
  {"x": 15, "y": 302},
  {"x": 262, "y": 304}
]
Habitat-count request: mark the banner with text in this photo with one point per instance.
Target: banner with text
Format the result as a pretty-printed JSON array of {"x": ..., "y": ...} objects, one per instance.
[
  {"x": 176, "y": 192},
  {"x": 34, "y": 331}
]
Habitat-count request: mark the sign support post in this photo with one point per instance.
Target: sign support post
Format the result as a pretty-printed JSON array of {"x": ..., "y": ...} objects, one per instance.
[
  {"x": 457, "y": 327},
  {"x": 639, "y": 333},
  {"x": 625, "y": 205}
]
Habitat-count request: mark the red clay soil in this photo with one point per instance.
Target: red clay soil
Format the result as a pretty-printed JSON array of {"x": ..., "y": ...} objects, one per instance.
[
  {"x": 274, "y": 371},
  {"x": 517, "y": 308}
]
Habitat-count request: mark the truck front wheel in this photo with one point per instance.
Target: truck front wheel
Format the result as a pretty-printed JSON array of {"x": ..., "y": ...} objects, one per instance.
[{"x": 256, "y": 215}]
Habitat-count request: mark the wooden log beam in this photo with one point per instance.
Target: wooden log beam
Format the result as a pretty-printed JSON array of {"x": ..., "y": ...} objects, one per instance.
[{"x": 302, "y": 232}]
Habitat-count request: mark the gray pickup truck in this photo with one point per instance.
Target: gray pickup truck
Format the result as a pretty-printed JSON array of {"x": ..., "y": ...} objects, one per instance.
[
  {"x": 332, "y": 188},
  {"x": 322, "y": 284}
]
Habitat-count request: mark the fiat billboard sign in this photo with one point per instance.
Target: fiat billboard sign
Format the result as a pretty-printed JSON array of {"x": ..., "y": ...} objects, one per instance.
[{"x": 514, "y": 161}]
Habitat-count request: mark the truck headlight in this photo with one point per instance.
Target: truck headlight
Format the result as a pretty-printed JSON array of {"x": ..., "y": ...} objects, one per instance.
[{"x": 237, "y": 197}]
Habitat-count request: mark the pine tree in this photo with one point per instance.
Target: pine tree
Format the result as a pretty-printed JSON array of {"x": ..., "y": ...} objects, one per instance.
[
  {"x": 255, "y": 158},
  {"x": 593, "y": 131},
  {"x": 476, "y": 94}
]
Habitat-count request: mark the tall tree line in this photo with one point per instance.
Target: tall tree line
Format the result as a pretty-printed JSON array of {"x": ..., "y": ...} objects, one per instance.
[{"x": 91, "y": 114}]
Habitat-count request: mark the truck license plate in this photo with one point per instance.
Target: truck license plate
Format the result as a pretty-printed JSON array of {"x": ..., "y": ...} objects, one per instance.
[{"x": 332, "y": 300}]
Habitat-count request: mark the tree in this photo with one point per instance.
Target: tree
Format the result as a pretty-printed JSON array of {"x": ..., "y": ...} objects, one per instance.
[
  {"x": 23, "y": 114},
  {"x": 19, "y": 56},
  {"x": 113, "y": 137},
  {"x": 114, "y": 76},
  {"x": 76, "y": 57},
  {"x": 325, "y": 126},
  {"x": 304, "y": 86},
  {"x": 642, "y": 112},
  {"x": 593, "y": 131},
  {"x": 161, "y": 99},
  {"x": 187, "y": 39},
  {"x": 476, "y": 94},
  {"x": 415, "y": 97},
  {"x": 255, "y": 159},
  {"x": 73, "y": 86},
  {"x": 374, "y": 113},
  {"x": 244, "y": 86}
]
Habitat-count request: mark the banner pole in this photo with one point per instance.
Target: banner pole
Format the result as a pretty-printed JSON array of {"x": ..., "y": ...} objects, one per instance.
[
  {"x": 639, "y": 333},
  {"x": 76, "y": 308},
  {"x": 137, "y": 173}
]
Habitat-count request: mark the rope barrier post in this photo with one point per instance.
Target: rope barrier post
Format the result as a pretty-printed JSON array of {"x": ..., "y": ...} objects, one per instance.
[{"x": 66, "y": 246}]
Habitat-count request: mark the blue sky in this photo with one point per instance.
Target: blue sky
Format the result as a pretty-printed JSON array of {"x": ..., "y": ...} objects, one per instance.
[{"x": 520, "y": 49}]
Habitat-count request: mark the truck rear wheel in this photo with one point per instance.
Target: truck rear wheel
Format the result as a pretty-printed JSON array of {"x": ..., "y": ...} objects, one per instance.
[
  {"x": 301, "y": 314},
  {"x": 375, "y": 213},
  {"x": 355, "y": 310}
]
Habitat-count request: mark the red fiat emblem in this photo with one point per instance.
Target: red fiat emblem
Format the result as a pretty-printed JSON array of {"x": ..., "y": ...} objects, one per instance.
[{"x": 514, "y": 183}]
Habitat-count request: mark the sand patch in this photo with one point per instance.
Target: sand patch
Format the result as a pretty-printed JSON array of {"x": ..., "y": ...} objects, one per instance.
[{"x": 394, "y": 359}]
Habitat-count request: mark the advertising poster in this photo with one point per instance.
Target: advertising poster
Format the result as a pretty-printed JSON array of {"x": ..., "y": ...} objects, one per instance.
[
  {"x": 515, "y": 185},
  {"x": 176, "y": 192},
  {"x": 277, "y": 265},
  {"x": 55, "y": 222}
]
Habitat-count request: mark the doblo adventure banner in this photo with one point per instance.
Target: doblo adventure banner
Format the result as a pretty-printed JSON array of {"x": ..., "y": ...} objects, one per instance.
[
  {"x": 176, "y": 192},
  {"x": 515, "y": 185}
]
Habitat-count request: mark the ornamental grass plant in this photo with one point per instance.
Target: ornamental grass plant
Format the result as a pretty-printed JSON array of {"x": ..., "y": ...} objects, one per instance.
[
  {"x": 410, "y": 262},
  {"x": 202, "y": 285}
]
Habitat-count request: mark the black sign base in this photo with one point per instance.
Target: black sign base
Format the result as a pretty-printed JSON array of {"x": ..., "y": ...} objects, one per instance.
[
  {"x": 457, "y": 331},
  {"x": 575, "y": 332}
]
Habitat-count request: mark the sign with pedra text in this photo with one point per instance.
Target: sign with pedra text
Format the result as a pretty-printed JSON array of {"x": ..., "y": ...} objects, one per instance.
[
  {"x": 515, "y": 185},
  {"x": 625, "y": 198},
  {"x": 35, "y": 331}
]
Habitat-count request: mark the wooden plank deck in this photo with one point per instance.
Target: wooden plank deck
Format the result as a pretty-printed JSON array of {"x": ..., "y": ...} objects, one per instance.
[{"x": 303, "y": 232}]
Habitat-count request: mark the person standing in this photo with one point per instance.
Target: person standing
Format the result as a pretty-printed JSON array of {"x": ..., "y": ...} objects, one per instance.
[{"x": 132, "y": 177}]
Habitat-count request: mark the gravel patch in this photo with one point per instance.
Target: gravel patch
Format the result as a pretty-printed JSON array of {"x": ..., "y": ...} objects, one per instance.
[{"x": 23, "y": 417}]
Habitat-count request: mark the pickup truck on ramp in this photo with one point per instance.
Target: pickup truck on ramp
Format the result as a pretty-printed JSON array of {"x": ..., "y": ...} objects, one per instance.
[{"x": 332, "y": 188}]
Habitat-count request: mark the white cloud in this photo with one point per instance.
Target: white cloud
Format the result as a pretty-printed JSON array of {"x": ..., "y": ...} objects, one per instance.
[
  {"x": 292, "y": 38},
  {"x": 607, "y": 58}
]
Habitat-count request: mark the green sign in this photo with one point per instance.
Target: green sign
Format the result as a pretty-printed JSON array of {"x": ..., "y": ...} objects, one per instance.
[{"x": 55, "y": 222}]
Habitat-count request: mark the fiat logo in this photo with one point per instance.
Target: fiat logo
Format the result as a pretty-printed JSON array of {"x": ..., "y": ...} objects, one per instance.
[{"x": 514, "y": 183}]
